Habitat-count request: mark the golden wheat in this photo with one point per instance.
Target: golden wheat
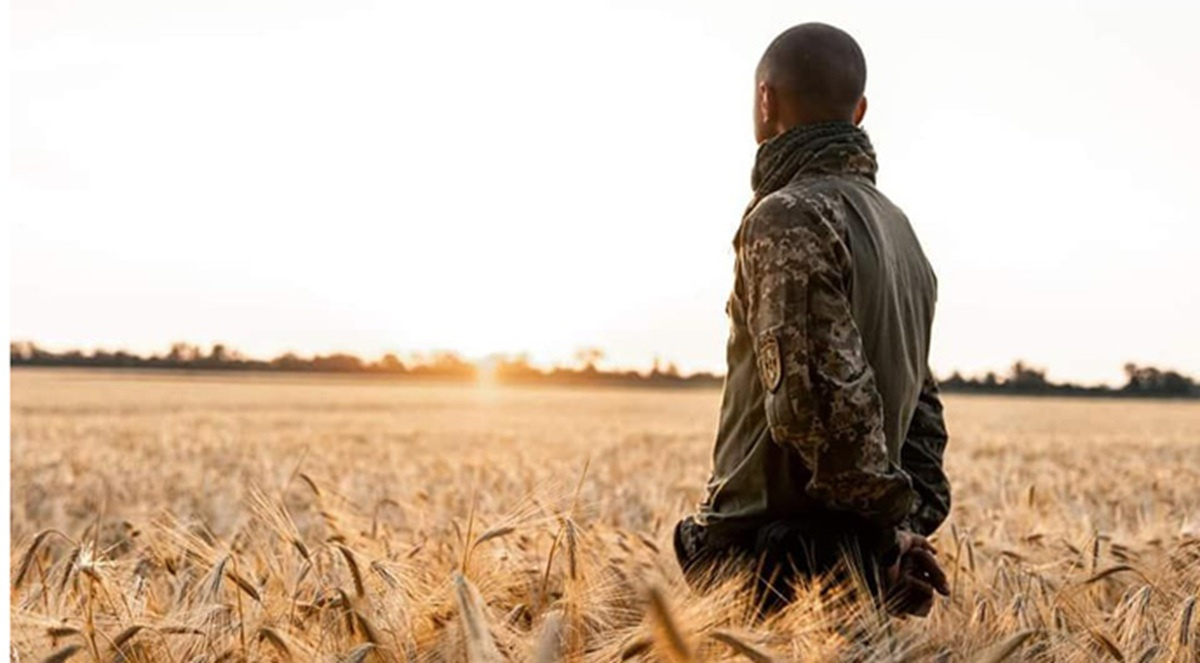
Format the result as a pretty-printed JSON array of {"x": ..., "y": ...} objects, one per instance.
[{"x": 196, "y": 518}]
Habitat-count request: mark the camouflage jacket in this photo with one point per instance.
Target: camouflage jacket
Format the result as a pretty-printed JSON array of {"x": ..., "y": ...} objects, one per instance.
[{"x": 829, "y": 406}]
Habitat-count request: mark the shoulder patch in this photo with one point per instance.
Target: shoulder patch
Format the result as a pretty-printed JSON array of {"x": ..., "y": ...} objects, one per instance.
[{"x": 770, "y": 366}]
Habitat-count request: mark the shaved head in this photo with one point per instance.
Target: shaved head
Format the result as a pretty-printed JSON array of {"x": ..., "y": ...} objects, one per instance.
[{"x": 815, "y": 72}]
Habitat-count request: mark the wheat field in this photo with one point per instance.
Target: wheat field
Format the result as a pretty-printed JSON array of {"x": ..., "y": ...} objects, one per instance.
[{"x": 166, "y": 517}]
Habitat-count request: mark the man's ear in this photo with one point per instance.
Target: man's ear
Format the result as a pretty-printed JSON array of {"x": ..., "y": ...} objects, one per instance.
[
  {"x": 860, "y": 110},
  {"x": 768, "y": 108}
]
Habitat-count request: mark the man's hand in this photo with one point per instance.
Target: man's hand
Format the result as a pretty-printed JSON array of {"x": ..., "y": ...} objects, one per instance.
[{"x": 915, "y": 576}]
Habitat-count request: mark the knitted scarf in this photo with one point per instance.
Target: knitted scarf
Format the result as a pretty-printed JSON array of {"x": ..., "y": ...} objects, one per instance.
[{"x": 824, "y": 148}]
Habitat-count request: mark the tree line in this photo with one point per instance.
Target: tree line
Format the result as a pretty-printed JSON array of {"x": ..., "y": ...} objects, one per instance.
[
  {"x": 442, "y": 365},
  {"x": 1022, "y": 379}
]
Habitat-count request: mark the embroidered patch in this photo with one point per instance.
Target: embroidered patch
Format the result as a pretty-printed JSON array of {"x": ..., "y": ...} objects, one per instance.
[{"x": 770, "y": 367}]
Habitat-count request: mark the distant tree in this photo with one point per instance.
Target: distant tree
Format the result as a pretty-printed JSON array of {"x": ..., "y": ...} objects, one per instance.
[
  {"x": 183, "y": 353},
  {"x": 955, "y": 381},
  {"x": 1024, "y": 378},
  {"x": 289, "y": 362},
  {"x": 339, "y": 362},
  {"x": 1150, "y": 381},
  {"x": 588, "y": 358},
  {"x": 219, "y": 353},
  {"x": 391, "y": 363},
  {"x": 449, "y": 363},
  {"x": 23, "y": 350}
]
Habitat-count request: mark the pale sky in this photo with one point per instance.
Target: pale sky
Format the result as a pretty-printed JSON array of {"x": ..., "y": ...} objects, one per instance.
[{"x": 543, "y": 176}]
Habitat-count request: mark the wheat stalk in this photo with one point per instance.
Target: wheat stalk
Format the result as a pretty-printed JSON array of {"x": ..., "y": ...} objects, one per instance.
[
  {"x": 667, "y": 634},
  {"x": 481, "y": 647}
]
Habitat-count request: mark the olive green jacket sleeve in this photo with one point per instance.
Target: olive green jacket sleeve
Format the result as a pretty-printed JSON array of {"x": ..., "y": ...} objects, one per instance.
[
  {"x": 921, "y": 458},
  {"x": 821, "y": 396}
]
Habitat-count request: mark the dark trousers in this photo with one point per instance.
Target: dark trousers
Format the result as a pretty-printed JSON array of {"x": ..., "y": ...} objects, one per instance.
[{"x": 775, "y": 556}]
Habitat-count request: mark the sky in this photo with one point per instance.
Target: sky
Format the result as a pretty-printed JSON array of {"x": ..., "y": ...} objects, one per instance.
[{"x": 544, "y": 176}]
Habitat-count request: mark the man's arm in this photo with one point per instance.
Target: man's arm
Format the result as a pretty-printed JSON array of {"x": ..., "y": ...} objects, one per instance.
[
  {"x": 821, "y": 397},
  {"x": 921, "y": 458}
]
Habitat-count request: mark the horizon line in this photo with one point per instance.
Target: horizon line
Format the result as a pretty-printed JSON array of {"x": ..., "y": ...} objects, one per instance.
[{"x": 585, "y": 357}]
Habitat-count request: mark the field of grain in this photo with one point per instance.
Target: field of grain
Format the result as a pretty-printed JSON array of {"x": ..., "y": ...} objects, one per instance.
[{"x": 202, "y": 518}]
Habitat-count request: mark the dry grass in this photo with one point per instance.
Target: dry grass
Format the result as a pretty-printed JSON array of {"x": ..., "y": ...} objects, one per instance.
[{"x": 206, "y": 519}]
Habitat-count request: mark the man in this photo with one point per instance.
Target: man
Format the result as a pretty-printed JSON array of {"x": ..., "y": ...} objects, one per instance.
[{"x": 831, "y": 433}]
